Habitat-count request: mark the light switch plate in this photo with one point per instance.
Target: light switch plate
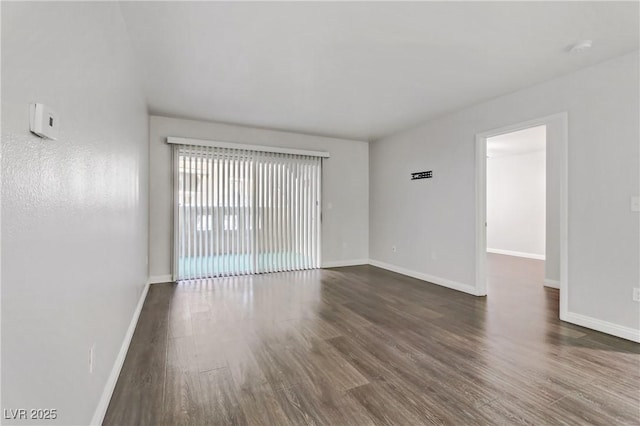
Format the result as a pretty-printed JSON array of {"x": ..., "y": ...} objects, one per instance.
[{"x": 635, "y": 204}]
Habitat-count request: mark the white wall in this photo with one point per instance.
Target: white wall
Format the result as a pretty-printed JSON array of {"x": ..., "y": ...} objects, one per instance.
[
  {"x": 345, "y": 187},
  {"x": 74, "y": 211},
  {"x": 516, "y": 204},
  {"x": 556, "y": 129},
  {"x": 432, "y": 221}
]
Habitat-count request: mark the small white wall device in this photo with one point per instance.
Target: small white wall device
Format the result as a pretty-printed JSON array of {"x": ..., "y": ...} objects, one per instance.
[{"x": 43, "y": 121}]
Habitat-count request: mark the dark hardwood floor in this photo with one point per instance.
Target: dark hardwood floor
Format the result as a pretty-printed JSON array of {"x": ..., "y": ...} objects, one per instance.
[{"x": 362, "y": 345}]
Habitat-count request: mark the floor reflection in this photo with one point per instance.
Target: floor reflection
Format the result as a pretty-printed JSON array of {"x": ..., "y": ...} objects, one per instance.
[{"x": 362, "y": 345}]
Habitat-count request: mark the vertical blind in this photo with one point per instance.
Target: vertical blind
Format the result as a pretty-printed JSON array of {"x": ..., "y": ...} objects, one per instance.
[{"x": 245, "y": 212}]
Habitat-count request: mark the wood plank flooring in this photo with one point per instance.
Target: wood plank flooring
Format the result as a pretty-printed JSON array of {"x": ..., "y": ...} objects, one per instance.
[{"x": 364, "y": 346}]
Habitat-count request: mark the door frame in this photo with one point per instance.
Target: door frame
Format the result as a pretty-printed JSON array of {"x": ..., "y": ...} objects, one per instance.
[{"x": 481, "y": 200}]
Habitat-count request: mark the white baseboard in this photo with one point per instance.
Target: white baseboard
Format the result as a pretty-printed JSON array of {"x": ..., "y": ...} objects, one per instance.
[
  {"x": 159, "y": 279},
  {"x": 552, "y": 283},
  {"x": 603, "y": 326},
  {"x": 465, "y": 288},
  {"x": 341, "y": 263},
  {"x": 517, "y": 253},
  {"x": 103, "y": 404}
]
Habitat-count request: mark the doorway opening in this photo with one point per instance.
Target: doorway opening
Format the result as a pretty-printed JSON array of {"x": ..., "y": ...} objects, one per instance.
[
  {"x": 521, "y": 206},
  {"x": 517, "y": 215}
]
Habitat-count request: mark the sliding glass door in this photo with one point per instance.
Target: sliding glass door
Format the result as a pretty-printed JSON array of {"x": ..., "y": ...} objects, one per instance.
[{"x": 243, "y": 212}]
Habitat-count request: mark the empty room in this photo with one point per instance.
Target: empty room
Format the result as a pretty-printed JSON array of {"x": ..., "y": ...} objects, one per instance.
[{"x": 327, "y": 213}]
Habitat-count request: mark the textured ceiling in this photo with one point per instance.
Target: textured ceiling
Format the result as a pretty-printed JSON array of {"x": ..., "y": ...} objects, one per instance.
[{"x": 359, "y": 70}]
